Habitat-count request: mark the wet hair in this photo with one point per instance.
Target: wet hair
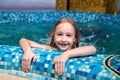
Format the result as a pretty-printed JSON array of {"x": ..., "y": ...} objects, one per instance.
[{"x": 70, "y": 21}]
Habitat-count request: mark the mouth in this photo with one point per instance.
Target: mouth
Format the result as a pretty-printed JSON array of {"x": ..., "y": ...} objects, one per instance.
[{"x": 63, "y": 46}]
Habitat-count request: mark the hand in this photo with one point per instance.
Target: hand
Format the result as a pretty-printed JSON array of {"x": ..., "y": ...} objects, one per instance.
[
  {"x": 26, "y": 60},
  {"x": 59, "y": 63}
]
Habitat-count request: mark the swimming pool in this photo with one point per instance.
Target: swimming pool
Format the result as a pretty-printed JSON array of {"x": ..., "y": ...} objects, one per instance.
[{"x": 100, "y": 30}]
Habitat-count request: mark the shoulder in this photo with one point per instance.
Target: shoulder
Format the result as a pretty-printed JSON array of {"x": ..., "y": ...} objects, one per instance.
[{"x": 49, "y": 47}]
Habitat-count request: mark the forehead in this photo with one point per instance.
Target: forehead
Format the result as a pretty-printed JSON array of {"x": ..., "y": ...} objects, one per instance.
[{"x": 65, "y": 27}]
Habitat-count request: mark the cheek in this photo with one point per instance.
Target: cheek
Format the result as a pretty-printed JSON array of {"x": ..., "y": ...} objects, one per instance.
[
  {"x": 56, "y": 39},
  {"x": 73, "y": 40}
]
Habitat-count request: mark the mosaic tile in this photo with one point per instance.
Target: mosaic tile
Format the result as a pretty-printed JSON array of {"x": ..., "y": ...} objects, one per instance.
[{"x": 75, "y": 68}]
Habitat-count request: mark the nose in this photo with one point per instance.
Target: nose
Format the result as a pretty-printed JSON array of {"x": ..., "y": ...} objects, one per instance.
[{"x": 64, "y": 38}]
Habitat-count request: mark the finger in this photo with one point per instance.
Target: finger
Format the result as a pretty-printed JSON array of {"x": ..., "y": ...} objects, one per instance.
[
  {"x": 62, "y": 68},
  {"x": 55, "y": 61},
  {"x": 28, "y": 62},
  {"x": 24, "y": 65},
  {"x": 34, "y": 58},
  {"x": 59, "y": 68},
  {"x": 55, "y": 68}
]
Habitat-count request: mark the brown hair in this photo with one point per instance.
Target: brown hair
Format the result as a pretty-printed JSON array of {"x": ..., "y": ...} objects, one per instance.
[{"x": 66, "y": 20}]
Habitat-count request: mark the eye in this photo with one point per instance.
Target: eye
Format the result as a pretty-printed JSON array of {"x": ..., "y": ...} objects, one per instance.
[
  {"x": 59, "y": 34},
  {"x": 69, "y": 35}
]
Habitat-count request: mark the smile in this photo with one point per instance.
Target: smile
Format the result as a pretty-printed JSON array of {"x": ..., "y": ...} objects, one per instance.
[{"x": 63, "y": 46}]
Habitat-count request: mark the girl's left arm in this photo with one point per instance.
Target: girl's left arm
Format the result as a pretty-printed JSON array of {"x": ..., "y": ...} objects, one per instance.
[
  {"x": 60, "y": 60},
  {"x": 80, "y": 51}
]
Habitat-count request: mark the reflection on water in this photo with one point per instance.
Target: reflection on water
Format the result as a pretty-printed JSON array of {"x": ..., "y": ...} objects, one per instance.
[{"x": 104, "y": 38}]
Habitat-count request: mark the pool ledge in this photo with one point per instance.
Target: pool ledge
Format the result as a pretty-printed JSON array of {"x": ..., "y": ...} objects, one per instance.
[{"x": 83, "y": 68}]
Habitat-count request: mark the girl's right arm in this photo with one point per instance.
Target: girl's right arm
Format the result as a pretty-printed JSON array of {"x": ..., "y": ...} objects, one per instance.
[
  {"x": 28, "y": 54},
  {"x": 27, "y": 44}
]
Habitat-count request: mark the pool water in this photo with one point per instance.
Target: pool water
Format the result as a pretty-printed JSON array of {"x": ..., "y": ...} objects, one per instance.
[
  {"x": 104, "y": 38},
  {"x": 11, "y": 33}
]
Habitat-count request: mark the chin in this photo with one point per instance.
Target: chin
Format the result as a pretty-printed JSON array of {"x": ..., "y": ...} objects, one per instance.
[{"x": 64, "y": 49}]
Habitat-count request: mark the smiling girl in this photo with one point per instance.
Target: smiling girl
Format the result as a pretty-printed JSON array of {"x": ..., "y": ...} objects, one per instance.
[{"x": 64, "y": 37}]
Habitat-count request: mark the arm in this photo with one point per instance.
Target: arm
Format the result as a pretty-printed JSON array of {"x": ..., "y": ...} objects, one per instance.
[
  {"x": 27, "y": 44},
  {"x": 80, "y": 51},
  {"x": 28, "y": 54},
  {"x": 60, "y": 61}
]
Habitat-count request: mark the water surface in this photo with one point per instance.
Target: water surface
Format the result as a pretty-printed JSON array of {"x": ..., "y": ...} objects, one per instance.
[{"x": 104, "y": 38}]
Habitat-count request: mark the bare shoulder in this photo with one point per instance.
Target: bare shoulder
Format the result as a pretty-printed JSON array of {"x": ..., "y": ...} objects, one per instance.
[{"x": 49, "y": 47}]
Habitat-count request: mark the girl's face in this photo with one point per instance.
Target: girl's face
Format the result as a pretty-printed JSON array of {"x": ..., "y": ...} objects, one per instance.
[{"x": 64, "y": 36}]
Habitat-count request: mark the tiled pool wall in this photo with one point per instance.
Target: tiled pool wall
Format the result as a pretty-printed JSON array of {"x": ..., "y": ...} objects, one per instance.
[
  {"x": 83, "y": 68},
  {"x": 53, "y": 16}
]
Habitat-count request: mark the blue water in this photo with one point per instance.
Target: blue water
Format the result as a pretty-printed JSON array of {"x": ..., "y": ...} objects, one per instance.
[
  {"x": 104, "y": 38},
  {"x": 16, "y": 30}
]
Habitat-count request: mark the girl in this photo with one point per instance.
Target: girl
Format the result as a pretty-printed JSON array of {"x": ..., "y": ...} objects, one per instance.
[{"x": 64, "y": 38}]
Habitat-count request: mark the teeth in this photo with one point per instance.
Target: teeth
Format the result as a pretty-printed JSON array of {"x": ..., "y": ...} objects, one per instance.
[{"x": 63, "y": 44}]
